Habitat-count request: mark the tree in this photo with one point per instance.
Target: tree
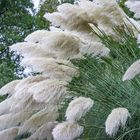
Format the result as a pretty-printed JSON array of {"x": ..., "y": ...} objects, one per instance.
[
  {"x": 51, "y": 6},
  {"x": 17, "y": 20}
]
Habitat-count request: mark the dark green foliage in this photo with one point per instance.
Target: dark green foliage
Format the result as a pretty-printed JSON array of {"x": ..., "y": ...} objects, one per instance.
[
  {"x": 16, "y": 22},
  {"x": 101, "y": 80},
  {"x": 67, "y": 1},
  {"x": 12, "y": 29},
  {"x": 48, "y": 6},
  {"x": 125, "y": 9}
]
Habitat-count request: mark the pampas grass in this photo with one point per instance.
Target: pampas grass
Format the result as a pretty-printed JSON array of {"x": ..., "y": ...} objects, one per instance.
[
  {"x": 9, "y": 88},
  {"x": 44, "y": 132},
  {"x": 67, "y": 131},
  {"x": 82, "y": 62},
  {"x": 9, "y": 134},
  {"x": 101, "y": 80},
  {"x": 48, "y": 114},
  {"x": 132, "y": 71},
  {"x": 78, "y": 108},
  {"x": 117, "y": 118}
]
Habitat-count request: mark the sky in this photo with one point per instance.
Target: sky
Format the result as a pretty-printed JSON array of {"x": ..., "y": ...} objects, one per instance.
[{"x": 36, "y": 3}]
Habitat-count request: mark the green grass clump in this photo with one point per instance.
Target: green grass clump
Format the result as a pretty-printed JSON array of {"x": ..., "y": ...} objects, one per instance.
[{"x": 101, "y": 80}]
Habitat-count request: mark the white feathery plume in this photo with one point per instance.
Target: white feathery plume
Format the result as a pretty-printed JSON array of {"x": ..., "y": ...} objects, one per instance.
[
  {"x": 22, "y": 99},
  {"x": 29, "y": 49},
  {"x": 95, "y": 48},
  {"x": 82, "y": 15},
  {"x": 106, "y": 13},
  {"x": 48, "y": 114},
  {"x": 31, "y": 79},
  {"x": 116, "y": 119},
  {"x": 67, "y": 131},
  {"x": 34, "y": 62},
  {"x": 134, "y": 6},
  {"x": 9, "y": 88},
  {"x": 25, "y": 103},
  {"x": 52, "y": 68},
  {"x": 28, "y": 104},
  {"x": 90, "y": 43},
  {"x": 132, "y": 71},
  {"x": 52, "y": 38},
  {"x": 93, "y": 7},
  {"x": 23, "y": 94},
  {"x": 84, "y": 37},
  {"x": 55, "y": 18},
  {"x": 119, "y": 17},
  {"x": 138, "y": 38},
  {"x": 44, "y": 132},
  {"x": 51, "y": 91},
  {"x": 70, "y": 17},
  {"x": 13, "y": 119},
  {"x": 9, "y": 134},
  {"x": 5, "y": 106},
  {"x": 63, "y": 44},
  {"x": 59, "y": 44},
  {"x": 78, "y": 108},
  {"x": 23, "y": 47},
  {"x": 37, "y": 36},
  {"x": 20, "y": 104}
]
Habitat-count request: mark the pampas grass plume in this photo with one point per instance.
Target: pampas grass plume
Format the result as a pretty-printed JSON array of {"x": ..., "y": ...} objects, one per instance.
[
  {"x": 67, "y": 131},
  {"x": 78, "y": 108},
  {"x": 9, "y": 134},
  {"x": 9, "y": 88},
  {"x": 132, "y": 71},
  {"x": 116, "y": 119}
]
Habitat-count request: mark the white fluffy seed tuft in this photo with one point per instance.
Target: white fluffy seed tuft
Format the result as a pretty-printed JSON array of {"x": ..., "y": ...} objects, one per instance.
[
  {"x": 67, "y": 131},
  {"x": 9, "y": 134},
  {"x": 48, "y": 114},
  {"x": 44, "y": 132},
  {"x": 116, "y": 119},
  {"x": 78, "y": 108},
  {"x": 9, "y": 88},
  {"x": 132, "y": 71},
  {"x": 50, "y": 91},
  {"x": 52, "y": 68}
]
